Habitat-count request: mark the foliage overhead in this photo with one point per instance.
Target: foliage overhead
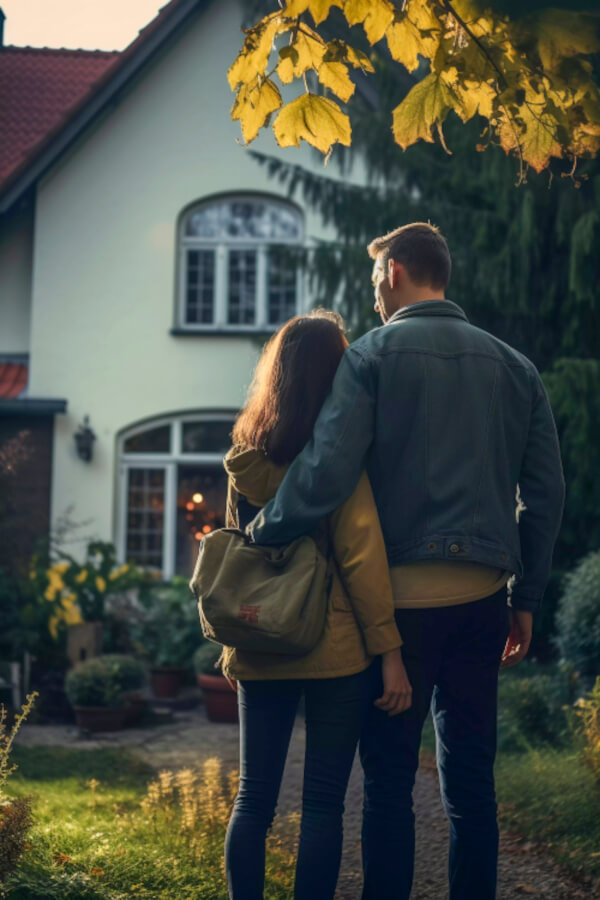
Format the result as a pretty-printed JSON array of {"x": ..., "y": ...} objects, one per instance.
[{"x": 529, "y": 78}]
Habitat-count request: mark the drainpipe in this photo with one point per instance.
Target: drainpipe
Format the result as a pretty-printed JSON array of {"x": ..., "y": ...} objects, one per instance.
[{"x": 2, "y": 21}]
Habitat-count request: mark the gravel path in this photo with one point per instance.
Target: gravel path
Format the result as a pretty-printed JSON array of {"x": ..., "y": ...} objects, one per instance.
[{"x": 190, "y": 738}]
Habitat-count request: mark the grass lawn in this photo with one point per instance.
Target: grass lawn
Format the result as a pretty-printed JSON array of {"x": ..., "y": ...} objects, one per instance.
[
  {"x": 547, "y": 795},
  {"x": 102, "y": 842}
]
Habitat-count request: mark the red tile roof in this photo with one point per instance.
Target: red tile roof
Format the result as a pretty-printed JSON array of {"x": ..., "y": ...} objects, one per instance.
[
  {"x": 37, "y": 89},
  {"x": 41, "y": 89},
  {"x": 13, "y": 379}
]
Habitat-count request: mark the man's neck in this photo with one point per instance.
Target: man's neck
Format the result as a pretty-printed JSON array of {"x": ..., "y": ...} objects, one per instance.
[{"x": 424, "y": 296}]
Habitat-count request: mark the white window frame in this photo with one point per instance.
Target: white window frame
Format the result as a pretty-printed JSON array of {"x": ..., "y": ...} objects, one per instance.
[
  {"x": 169, "y": 461},
  {"x": 222, "y": 248}
]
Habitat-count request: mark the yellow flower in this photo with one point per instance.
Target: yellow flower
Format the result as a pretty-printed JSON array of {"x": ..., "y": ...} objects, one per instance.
[
  {"x": 72, "y": 616},
  {"x": 55, "y": 580},
  {"x": 32, "y": 574},
  {"x": 81, "y": 577},
  {"x": 100, "y": 583},
  {"x": 61, "y": 566},
  {"x": 68, "y": 600},
  {"x": 50, "y": 592},
  {"x": 116, "y": 573},
  {"x": 52, "y": 623}
]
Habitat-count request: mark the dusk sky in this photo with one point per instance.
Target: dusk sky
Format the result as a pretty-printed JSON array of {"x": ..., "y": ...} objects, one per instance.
[{"x": 85, "y": 24}]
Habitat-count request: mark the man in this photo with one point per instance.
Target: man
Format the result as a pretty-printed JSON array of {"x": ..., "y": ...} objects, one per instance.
[{"x": 448, "y": 420}]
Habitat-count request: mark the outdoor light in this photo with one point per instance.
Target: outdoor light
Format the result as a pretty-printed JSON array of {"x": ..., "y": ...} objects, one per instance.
[
  {"x": 84, "y": 439},
  {"x": 197, "y": 498}
]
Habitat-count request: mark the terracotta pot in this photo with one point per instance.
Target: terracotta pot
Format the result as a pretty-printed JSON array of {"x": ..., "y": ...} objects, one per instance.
[
  {"x": 219, "y": 698},
  {"x": 136, "y": 706},
  {"x": 167, "y": 680},
  {"x": 101, "y": 718}
]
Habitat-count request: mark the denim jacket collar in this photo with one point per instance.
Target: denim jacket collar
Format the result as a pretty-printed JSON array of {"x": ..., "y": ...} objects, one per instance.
[{"x": 428, "y": 308}]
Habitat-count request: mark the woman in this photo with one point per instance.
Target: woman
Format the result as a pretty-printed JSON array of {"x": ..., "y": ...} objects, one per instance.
[{"x": 292, "y": 379}]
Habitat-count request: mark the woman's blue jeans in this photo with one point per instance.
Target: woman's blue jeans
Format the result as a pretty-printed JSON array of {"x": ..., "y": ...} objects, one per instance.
[{"x": 335, "y": 709}]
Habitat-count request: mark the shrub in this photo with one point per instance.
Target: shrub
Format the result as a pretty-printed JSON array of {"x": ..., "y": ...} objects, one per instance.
[
  {"x": 15, "y": 814},
  {"x": 534, "y": 707},
  {"x": 169, "y": 629},
  {"x": 102, "y": 680},
  {"x": 578, "y": 618},
  {"x": 588, "y": 714},
  {"x": 206, "y": 657}
]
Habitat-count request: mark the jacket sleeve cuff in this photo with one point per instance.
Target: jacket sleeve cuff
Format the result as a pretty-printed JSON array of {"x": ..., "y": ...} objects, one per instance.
[
  {"x": 382, "y": 638},
  {"x": 528, "y": 604}
]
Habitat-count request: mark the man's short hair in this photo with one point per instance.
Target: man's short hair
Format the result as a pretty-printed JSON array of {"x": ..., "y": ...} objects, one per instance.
[{"x": 422, "y": 250}]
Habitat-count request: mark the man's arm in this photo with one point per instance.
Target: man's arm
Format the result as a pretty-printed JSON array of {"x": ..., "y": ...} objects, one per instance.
[
  {"x": 327, "y": 470},
  {"x": 542, "y": 488}
]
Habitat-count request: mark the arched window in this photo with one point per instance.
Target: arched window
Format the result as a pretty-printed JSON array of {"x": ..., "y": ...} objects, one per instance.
[
  {"x": 172, "y": 489},
  {"x": 237, "y": 269}
]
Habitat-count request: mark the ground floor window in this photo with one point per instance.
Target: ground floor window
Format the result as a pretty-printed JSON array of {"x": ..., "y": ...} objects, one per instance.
[{"x": 172, "y": 490}]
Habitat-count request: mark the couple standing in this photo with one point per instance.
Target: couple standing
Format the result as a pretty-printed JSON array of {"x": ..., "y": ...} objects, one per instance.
[{"x": 401, "y": 454}]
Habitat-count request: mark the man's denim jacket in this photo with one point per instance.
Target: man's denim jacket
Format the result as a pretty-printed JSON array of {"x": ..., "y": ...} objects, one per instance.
[{"x": 448, "y": 420}]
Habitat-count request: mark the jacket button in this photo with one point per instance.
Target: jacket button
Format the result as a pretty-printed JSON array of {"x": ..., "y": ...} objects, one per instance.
[
  {"x": 454, "y": 548},
  {"x": 432, "y": 546}
]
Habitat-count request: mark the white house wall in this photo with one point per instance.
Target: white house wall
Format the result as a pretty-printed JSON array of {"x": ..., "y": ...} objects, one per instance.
[
  {"x": 105, "y": 262},
  {"x": 16, "y": 235}
]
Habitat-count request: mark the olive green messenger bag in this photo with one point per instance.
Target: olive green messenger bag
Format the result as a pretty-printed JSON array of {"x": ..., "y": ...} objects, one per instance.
[{"x": 266, "y": 599}]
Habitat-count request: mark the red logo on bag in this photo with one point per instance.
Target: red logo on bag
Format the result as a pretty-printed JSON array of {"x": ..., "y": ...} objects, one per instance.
[{"x": 249, "y": 612}]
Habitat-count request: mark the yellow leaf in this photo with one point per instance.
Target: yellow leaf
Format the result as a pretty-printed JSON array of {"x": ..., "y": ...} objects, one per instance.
[
  {"x": 406, "y": 43},
  {"x": 316, "y": 120},
  {"x": 319, "y": 9},
  {"x": 374, "y": 15},
  {"x": 306, "y": 52},
  {"x": 253, "y": 104},
  {"x": 339, "y": 51},
  {"x": 562, "y": 34},
  {"x": 536, "y": 133},
  {"x": 253, "y": 58},
  {"x": 425, "y": 104},
  {"x": 473, "y": 96},
  {"x": 334, "y": 75}
]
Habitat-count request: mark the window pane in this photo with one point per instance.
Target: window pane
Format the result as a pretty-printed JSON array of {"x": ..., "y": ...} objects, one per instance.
[
  {"x": 206, "y": 437},
  {"x": 245, "y": 218},
  {"x": 145, "y": 516},
  {"x": 200, "y": 288},
  {"x": 281, "y": 287},
  {"x": 242, "y": 287},
  {"x": 155, "y": 440},
  {"x": 201, "y": 497}
]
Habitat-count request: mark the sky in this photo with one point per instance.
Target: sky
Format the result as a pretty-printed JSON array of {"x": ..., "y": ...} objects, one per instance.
[{"x": 76, "y": 24}]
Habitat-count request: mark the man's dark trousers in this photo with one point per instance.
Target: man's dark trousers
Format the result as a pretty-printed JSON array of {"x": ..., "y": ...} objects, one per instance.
[{"x": 452, "y": 656}]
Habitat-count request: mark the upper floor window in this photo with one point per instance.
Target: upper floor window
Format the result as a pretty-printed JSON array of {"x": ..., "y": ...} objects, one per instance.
[{"x": 237, "y": 266}]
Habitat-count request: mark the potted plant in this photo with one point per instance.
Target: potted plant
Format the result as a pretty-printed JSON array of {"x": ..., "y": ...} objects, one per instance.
[
  {"x": 167, "y": 634},
  {"x": 98, "y": 691},
  {"x": 132, "y": 677},
  {"x": 220, "y": 698}
]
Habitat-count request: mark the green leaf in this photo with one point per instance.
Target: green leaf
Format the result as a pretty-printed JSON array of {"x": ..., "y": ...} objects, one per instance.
[
  {"x": 562, "y": 34},
  {"x": 254, "y": 104},
  {"x": 316, "y": 120},
  {"x": 426, "y": 104}
]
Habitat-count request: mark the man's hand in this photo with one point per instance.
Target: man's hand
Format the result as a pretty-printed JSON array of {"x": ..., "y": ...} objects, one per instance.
[
  {"x": 232, "y": 683},
  {"x": 397, "y": 692},
  {"x": 519, "y": 639}
]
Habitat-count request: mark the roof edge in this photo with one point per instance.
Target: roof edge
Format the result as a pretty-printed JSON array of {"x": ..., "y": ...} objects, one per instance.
[{"x": 90, "y": 107}]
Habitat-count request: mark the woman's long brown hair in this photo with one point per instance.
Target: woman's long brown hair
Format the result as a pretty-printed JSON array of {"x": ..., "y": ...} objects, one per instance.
[{"x": 292, "y": 378}]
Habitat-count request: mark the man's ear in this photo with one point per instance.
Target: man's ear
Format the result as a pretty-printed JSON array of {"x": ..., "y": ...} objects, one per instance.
[{"x": 395, "y": 273}]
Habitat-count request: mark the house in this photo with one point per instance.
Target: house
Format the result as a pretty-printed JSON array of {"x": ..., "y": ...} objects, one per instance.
[{"x": 137, "y": 280}]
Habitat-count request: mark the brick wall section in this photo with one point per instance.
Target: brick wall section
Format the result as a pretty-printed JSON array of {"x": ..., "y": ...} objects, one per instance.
[{"x": 25, "y": 478}]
